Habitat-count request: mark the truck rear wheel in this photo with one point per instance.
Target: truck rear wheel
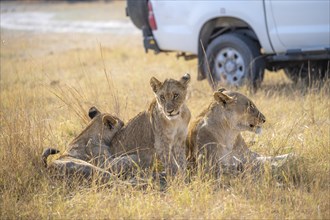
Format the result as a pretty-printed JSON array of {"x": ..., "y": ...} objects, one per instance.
[
  {"x": 137, "y": 10},
  {"x": 234, "y": 60}
]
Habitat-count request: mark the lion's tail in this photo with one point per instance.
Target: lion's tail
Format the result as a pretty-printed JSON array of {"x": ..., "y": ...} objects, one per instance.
[{"x": 46, "y": 153}]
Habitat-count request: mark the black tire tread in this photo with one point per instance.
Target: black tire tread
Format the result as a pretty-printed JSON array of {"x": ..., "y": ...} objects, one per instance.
[{"x": 138, "y": 12}]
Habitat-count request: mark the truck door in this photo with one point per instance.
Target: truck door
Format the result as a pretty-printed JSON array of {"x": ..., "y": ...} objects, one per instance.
[{"x": 298, "y": 24}]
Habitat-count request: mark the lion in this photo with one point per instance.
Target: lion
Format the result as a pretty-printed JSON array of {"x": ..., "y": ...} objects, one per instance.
[
  {"x": 159, "y": 133},
  {"x": 88, "y": 154},
  {"x": 214, "y": 140}
]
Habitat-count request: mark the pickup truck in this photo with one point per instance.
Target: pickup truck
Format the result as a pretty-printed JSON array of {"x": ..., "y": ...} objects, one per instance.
[{"x": 235, "y": 41}]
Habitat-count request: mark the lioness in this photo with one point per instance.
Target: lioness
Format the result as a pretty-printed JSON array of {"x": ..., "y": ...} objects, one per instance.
[
  {"x": 88, "y": 154},
  {"x": 160, "y": 132},
  {"x": 215, "y": 139}
]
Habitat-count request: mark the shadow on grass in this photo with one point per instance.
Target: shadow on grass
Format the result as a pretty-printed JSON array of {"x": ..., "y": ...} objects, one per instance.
[{"x": 292, "y": 89}]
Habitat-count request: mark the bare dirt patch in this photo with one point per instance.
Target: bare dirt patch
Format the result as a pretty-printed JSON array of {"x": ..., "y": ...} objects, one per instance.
[{"x": 67, "y": 18}]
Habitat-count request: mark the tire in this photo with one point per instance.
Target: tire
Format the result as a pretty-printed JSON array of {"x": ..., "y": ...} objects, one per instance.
[
  {"x": 234, "y": 60},
  {"x": 137, "y": 10},
  {"x": 308, "y": 72}
]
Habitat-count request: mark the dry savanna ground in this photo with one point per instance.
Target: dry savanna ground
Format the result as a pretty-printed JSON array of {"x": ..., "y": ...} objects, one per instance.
[{"x": 49, "y": 81}]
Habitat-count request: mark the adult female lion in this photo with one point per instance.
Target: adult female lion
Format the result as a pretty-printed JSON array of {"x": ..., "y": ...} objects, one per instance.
[{"x": 214, "y": 140}]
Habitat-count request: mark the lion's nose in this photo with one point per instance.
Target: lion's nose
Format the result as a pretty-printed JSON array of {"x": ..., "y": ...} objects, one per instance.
[{"x": 170, "y": 111}]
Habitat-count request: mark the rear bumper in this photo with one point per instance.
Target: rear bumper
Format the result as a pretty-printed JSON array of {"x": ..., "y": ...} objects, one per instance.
[{"x": 149, "y": 42}]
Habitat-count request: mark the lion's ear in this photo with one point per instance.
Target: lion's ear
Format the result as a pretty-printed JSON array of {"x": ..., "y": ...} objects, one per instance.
[
  {"x": 185, "y": 79},
  {"x": 155, "y": 84},
  {"x": 93, "y": 111},
  {"x": 221, "y": 97},
  {"x": 109, "y": 121}
]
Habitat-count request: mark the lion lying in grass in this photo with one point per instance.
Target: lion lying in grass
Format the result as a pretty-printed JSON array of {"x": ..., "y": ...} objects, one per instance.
[
  {"x": 106, "y": 147},
  {"x": 214, "y": 140},
  {"x": 88, "y": 154}
]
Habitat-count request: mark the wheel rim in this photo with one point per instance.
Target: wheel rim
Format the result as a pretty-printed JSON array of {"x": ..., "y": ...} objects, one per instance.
[{"x": 229, "y": 67}]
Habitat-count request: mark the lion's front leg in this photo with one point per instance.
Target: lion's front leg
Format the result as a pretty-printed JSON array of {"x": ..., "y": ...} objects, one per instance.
[
  {"x": 168, "y": 159},
  {"x": 69, "y": 167},
  {"x": 242, "y": 152},
  {"x": 179, "y": 157},
  {"x": 275, "y": 161}
]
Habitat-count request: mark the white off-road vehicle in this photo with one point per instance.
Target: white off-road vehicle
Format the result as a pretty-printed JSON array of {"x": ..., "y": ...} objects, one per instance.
[{"x": 235, "y": 41}]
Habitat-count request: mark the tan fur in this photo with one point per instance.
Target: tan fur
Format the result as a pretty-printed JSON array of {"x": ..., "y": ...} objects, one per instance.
[
  {"x": 88, "y": 154},
  {"x": 160, "y": 132},
  {"x": 215, "y": 136}
]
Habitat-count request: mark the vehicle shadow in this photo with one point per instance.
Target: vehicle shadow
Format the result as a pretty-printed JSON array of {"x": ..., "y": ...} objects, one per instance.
[{"x": 296, "y": 89}]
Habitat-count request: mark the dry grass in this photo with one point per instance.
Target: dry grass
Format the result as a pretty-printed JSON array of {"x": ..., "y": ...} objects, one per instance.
[{"x": 46, "y": 89}]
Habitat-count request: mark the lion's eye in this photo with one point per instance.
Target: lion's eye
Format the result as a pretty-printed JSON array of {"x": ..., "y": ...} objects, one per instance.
[
  {"x": 250, "y": 105},
  {"x": 175, "y": 96},
  {"x": 162, "y": 97},
  {"x": 251, "y": 108}
]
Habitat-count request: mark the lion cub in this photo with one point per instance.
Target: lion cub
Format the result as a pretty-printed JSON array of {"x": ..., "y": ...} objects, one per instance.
[
  {"x": 88, "y": 154},
  {"x": 160, "y": 132},
  {"x": 215, "y": 139}
]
